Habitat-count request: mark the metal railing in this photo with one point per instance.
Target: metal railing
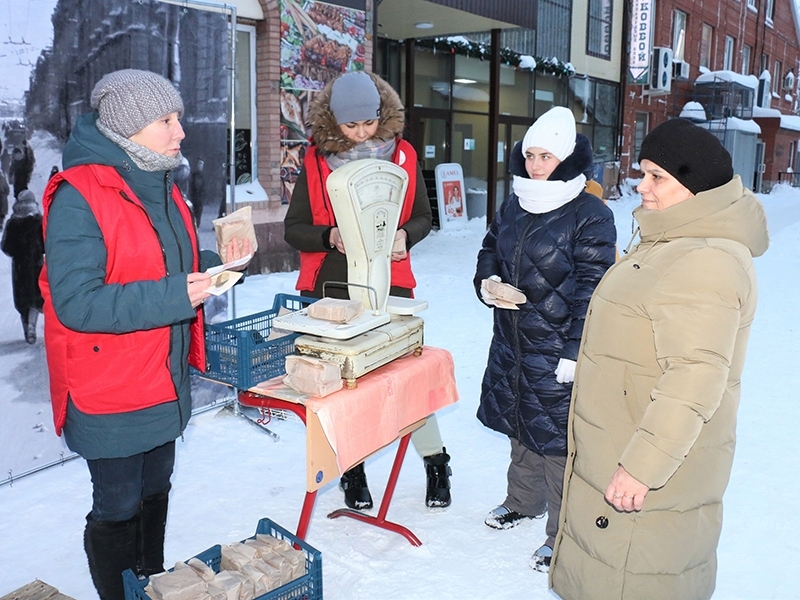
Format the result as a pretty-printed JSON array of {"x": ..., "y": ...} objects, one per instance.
[{"x": 792, "y": 179}]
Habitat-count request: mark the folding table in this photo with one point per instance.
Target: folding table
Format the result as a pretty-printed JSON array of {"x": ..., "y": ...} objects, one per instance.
[{"x": 346, "y": 427}]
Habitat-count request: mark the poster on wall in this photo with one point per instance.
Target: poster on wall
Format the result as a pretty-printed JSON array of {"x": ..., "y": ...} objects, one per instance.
[
  {"x": 46, "y": 74},
  {"x": 319, "y": 42},
  {"x": 450, "y": 191}
]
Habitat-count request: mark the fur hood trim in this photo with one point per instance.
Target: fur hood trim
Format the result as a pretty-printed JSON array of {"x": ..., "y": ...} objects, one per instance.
[{"x": 325, "y": 132}]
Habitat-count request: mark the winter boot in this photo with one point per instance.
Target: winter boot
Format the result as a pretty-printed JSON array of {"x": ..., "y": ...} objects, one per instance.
[
  {"x": 30, "y": 326},
  {"x": 354, "y": 485},
  {"x": 438, "y": 471},
  {"x": 110, "y": 548},
  {"x": 540, "y": 561},
  {"x": 152, "y": 524},
  {"x": 503, "y": 517}
]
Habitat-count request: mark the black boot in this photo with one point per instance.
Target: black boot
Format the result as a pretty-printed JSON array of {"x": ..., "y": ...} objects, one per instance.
[
  {"x": 110, "y": 548},
  {"x": 152, "y": 524},
  {"x": 354, "y": 485},
  {"x": 438, "y": 471}
]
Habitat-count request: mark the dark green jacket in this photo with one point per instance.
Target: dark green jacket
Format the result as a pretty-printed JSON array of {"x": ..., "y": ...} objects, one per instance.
[{"x": 76, "y": 262}]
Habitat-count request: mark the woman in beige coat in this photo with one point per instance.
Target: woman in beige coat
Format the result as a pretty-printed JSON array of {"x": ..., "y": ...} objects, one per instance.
[{"x": 653, "y": 416}]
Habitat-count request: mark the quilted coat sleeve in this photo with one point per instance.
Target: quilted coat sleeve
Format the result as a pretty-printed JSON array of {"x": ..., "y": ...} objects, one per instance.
[
  {"x": 594, "y": 252},
  {"x": 696, "y": 314},
  {"x": 488, "y": 264},
  {"x": 76, "y": 269}
]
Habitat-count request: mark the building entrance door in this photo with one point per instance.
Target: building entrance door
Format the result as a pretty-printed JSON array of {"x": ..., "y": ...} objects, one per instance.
[
  {"x": 430, "y": 132},
  {"x": 511, "y": 131}
]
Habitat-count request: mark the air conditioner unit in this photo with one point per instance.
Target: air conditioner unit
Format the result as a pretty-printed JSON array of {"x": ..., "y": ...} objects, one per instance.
[
  {"x": 661, "y": 70},
  {"x": 681, "y": 70}
]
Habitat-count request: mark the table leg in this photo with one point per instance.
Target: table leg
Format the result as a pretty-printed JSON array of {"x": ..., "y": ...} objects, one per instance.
[
  {"x": 380, "y": 520},
  {"x": 256, "y": 400}
]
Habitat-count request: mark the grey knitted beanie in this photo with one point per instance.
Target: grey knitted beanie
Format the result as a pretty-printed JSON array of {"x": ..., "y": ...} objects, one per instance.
[
  {"x": 354, "y": 97},
  {"x": 130, "y": 99}
]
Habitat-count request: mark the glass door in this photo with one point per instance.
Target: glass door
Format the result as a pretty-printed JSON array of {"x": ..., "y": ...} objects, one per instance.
[{"x": 510, "y": 131}]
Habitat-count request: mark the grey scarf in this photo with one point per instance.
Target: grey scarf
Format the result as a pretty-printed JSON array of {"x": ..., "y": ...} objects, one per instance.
[
  {"x": 373, "y": 148},
  {"x": 144, "y": 158}
]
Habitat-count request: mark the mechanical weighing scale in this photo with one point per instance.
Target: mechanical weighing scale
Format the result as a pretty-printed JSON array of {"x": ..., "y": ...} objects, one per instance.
[{"x": 367, "y": 197}]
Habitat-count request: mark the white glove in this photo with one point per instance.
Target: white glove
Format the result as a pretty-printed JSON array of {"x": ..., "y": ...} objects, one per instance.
[{"x": 565, "y": 371}]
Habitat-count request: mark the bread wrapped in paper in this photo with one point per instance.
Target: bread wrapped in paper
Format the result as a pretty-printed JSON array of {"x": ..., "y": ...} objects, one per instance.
[
  {"x": 335, "y": 310},
  {"x": 180, "y": 584},
  {"x": 237, "y": 225},
  {"x": 272, "y": 575},
  {"x": 259, "y": 579},
  {"x": 244, "y": 549},
  {"x": 247, "y": 589},
  {"x": 312, "y": 376},
  {"x": 231, "y": 560},
  {"x": 297, "y": 560},
  {"x": 503, "y": 291},
  {"x": 227, "y": 583},
  {"x": 205, "y": 572}
]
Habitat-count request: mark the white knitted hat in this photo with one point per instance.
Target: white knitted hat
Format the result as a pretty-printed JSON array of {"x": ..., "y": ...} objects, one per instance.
[{"x": 554, "y": 131}]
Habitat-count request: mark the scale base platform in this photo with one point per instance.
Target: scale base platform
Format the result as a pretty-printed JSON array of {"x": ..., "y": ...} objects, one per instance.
[{"x": 368, "y": 351}]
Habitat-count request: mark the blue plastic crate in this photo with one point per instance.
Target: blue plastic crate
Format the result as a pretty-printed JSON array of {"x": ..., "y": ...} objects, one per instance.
[
  {"x": 239, "y": 352},
  {"x": 307, "y": 587}
]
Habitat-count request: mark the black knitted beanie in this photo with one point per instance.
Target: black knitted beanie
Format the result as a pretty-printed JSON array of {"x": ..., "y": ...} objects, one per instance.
[{"x": 692, "y": 155}]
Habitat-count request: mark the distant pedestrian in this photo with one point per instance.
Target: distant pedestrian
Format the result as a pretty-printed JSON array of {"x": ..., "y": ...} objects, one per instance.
[
  {"x": 4, "y": 191},
  {"x": 20, "y": 170},
  {"x": 53, "y": 171},
  {"x": 22, "y": 241},
  {"x": 197, "y": 190}
]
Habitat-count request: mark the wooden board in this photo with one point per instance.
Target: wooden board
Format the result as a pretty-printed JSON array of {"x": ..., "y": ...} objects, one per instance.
[{"x": 36, "y": 590}]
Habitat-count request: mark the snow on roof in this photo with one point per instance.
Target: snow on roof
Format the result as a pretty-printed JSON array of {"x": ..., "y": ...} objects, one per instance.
[
  {"x": 787, "y": 121},
  {"x": 766, "y": 113},
  {"x": 790, "y": 122},
  {"x": 737, "y": 124},
  {"x": 746, "y": 80},
  {"x": 693, "y": 110}
]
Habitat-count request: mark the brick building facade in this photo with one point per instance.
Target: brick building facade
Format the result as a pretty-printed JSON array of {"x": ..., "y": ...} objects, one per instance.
[{"x": 756, "y": 38}]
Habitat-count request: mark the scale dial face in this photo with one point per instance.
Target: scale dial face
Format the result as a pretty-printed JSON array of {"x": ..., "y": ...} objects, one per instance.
[{"x": 378, "y": 194}]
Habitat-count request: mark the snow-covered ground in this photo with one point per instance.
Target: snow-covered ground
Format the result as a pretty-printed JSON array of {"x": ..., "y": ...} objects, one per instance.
[{"x": 229, "y": 474}]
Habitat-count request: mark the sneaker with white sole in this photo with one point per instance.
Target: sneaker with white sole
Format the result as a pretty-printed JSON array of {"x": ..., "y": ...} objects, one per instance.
[
  {"x": 540, "y": 561},
  {"x": 503, "y": 517}
]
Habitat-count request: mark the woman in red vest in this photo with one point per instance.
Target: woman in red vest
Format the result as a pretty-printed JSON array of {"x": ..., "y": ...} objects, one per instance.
[
  {"x": 358, "y": 116},
  {"x": 123, "y": 285}
]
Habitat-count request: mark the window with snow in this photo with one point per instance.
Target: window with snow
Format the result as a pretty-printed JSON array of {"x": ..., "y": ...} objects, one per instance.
[
  {"x": 727, "y": 60},
  {"x": 678, "y": 35},
  {"x": 776, "y": 77},
  {"x": 705, "y": 46},
  {"x": 746, "y": 51}
]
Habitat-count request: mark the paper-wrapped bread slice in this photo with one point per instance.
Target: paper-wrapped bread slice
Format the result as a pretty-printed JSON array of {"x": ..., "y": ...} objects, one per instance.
[
  {"x": 503, "y": 291},
  {"x": 312, "y": 376},
  {"x": 237, "y": 225},
  {"x": 180, "y": 584},
  {"x": 335, "y": 310}
]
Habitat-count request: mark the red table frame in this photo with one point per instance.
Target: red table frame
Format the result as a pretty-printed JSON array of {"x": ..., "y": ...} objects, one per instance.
[{"x": 251, "y": 399}]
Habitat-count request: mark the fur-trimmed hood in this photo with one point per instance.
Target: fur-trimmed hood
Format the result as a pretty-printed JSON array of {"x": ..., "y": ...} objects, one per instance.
[
  {"x": 575, "y": 164},
  {"x": 325, "y": 132}
]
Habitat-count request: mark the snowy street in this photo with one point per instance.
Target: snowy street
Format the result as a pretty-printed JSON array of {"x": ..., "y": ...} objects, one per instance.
[{"x": 229, "y": 474}]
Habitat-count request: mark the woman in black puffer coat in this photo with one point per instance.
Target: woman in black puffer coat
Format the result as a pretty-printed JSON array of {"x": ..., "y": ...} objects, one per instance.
[{"x": 552, "y": 241}]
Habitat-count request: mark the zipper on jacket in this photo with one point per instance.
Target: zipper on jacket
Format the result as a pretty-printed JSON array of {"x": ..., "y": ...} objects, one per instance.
[
  {"x": 166, "y": 271},
  {"x": 514, "y": 321}
]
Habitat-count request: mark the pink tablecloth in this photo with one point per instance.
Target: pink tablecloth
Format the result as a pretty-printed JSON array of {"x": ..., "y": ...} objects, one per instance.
[{"x": 358, "y": 422}]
